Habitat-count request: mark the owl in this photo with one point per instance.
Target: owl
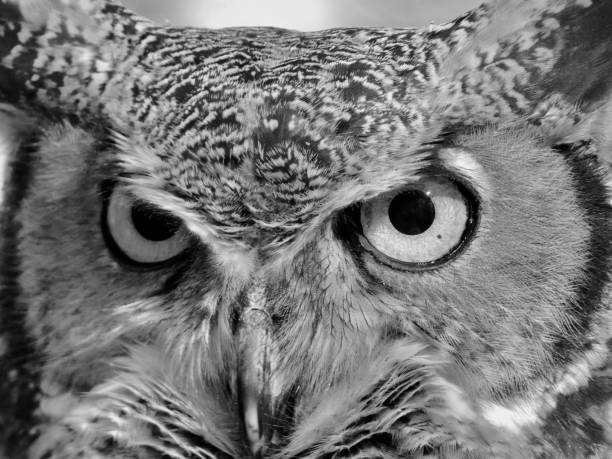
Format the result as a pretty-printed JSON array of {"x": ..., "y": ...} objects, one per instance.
[{"x": 261, "y": 243}]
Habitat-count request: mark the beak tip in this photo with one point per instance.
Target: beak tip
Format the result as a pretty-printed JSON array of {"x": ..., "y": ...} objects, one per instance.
[{"x": 252, "y": 423}]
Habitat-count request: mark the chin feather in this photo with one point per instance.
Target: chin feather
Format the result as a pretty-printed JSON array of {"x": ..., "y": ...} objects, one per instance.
[
  {"x": 146, "y": 407},
  {"x": 401, "y": 406}
]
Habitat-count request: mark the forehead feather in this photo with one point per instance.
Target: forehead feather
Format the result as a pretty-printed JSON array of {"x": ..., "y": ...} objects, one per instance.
[{"x": 272, "y": 113}]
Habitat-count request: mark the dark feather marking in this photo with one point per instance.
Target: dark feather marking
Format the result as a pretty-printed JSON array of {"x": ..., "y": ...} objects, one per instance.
[
  {"x": 569, "y": 426},
  {"x": 591, "y": 49},
  {"x": 593, "y": 198},
  {"x": 18, "y": 403}
]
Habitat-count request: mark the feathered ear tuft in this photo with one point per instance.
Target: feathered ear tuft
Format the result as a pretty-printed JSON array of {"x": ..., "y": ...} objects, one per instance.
[
  {"x": 548, "y": 61},
  {"x": 60, "y": 54}
]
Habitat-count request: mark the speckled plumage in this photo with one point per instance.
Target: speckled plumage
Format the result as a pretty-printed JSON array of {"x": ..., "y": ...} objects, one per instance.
[{"x": 263, "y": 141}]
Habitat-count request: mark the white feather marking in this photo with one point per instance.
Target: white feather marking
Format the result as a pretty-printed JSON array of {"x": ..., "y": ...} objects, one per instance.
[
  {"x": 464, "y": 164},
  {"x": 10, "y": 122},
  {"x": 235, "y": 261},
  {"x": 513, "y": 418},
  {"x": 532, "y": 411}
]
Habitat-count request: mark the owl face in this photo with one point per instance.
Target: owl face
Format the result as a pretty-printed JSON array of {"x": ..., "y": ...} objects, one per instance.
[{"x": 263, "y": 243}]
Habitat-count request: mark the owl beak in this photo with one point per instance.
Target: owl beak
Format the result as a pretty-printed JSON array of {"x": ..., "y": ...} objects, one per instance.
[{"x": 256, "y": 372}]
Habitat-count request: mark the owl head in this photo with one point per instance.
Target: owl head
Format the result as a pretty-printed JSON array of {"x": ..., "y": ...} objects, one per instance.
[{"x": 359, "y": 243}]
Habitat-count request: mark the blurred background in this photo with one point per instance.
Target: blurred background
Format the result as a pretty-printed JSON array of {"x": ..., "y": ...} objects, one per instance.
[{"x": 301, "y": 15}]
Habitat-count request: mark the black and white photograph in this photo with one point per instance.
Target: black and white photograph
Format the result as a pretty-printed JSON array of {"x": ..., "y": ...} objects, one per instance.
[{"x": 323, "y": 229}]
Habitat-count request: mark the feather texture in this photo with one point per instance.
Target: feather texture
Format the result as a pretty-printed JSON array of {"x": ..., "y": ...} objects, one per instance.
[{"x": 265, "y": 146}]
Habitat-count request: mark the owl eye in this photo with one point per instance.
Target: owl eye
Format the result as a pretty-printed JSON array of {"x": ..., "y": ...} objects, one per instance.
[
  {"x": 423, "y": 225},
  {"x": 141, "y": 233}
]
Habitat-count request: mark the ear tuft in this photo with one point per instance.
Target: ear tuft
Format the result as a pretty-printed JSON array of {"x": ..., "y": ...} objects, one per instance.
[
  {"x": 545, "y": 61},
  {"x": 60, "y": 54}
]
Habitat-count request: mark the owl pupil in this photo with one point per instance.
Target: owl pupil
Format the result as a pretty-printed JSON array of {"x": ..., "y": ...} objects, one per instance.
[
  {"x": 412, "y": 212},
  {"x": 154, "y": 225}
]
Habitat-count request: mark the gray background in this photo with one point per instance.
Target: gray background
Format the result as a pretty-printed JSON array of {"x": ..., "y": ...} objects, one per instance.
[{"x": 302, "y": 15}]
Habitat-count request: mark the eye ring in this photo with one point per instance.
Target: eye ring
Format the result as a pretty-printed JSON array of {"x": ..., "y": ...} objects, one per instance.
[
  {"x": 452, "y": 220},
  {"x": 139, "y": 235}
]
